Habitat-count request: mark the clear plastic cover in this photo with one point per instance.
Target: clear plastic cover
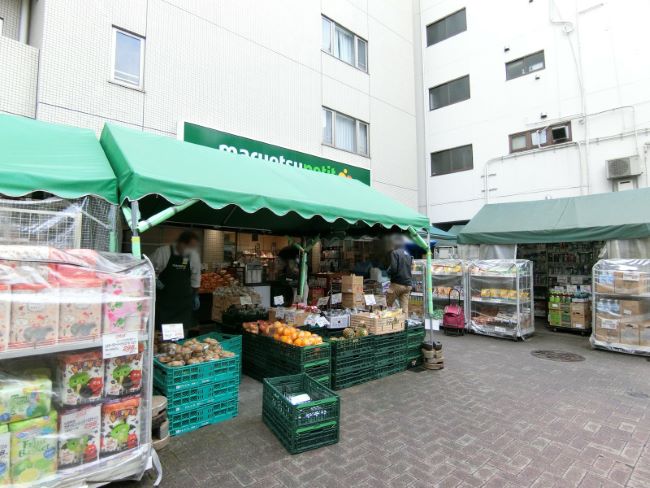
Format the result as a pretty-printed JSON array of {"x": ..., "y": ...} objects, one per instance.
[
  {"x": 501, "y": 297},
  {"x": 621, "y": 319},
  {"x": 75, "y": 366}
]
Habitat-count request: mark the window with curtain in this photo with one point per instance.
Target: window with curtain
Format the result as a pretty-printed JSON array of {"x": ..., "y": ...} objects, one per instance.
[
  {"x": 344, "y": 132},
  {"x": 344, "y": 44}
]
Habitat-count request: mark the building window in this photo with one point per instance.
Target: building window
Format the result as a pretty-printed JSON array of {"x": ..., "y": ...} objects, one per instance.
[
  {"x": 445, "y": 28},
  {"x": 128, "y": 58},
  {"x": 2, "y": 21},
  {"x": 526, "y": 65},
  {"x": 343, "y": 132},
  {"x": 448, "y": 93},
  {"x": 345, "y": 45},
  {"x": 452, "y": 160},
  {"x": 536, "y": 138}
]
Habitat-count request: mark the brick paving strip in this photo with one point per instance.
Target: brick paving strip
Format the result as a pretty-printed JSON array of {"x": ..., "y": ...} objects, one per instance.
[{"x": 495, "y": 417}]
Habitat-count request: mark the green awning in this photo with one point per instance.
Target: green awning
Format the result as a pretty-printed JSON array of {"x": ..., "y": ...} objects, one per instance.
[
  {"x": 437, "y": 233},
  {"x": 58, "y": 159},
  {"x": 618, "y": 215},
  {"x": 235, "y": 191}
]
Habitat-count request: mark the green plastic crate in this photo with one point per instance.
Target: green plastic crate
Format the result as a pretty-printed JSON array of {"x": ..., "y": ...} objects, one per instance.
[
  {"x": 304, "y": 438},
  {"x": 212, "y": 413},
  {"x": 383, "y": 371},
  {"x": 300, "y": 355},
  {"x": 181, "y": 400},
  {"x": 352, "y": 347},
  {"x": 390, "y": 360},
  {"x": 324, "y": 405},
  {"x": 177, "y": 378},
  {"x": 353, "y": 364},
  {"x": 390, "y": 341},
  {"x": 230, "y": 342},
  {"x": 352, "y": 378}
]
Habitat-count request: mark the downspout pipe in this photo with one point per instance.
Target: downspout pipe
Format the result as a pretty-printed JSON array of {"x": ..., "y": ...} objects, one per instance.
[{"x": 23, "y": 26}]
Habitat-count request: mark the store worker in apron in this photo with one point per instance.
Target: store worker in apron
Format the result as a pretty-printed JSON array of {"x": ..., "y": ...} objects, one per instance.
[
  {"x": 399, "y": 272},
  {"x": 178, "y": 278}
]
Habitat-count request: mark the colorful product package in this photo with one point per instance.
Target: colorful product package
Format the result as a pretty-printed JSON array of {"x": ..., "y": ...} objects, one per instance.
[
  {"x": 120, "y": 426},
  {"x": 123, "y": 374},
  {"x": 80, "y": 378},
  {"x": 33, "y": 449},
  {"x": 5, "y": 449},
  {"x": 126, "y": 306},
  {"x": 80, "y": 313},
  {"x": 5, "y": 309},
  {"x": 79, "y": 436},
  {"x": 25, "y": 395},
  {"x": 34, "y": 315}
]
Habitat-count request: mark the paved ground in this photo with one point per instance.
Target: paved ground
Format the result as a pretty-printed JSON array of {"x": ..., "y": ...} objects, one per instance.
[{"x": 494, "y": 417}]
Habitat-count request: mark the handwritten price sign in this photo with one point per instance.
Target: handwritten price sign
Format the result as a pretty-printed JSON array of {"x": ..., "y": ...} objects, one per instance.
[{"x": 116, "y": 345}]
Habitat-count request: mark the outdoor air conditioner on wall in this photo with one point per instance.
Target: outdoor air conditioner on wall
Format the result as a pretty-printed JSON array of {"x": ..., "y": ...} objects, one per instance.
[{"x": 623, "y": 167}]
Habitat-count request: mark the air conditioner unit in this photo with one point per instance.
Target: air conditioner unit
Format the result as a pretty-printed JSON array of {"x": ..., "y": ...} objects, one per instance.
[{"x": 623, "y": 167}]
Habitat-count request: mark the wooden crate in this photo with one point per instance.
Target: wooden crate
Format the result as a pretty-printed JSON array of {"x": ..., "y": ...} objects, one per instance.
[{"x": 377, "y": 325}]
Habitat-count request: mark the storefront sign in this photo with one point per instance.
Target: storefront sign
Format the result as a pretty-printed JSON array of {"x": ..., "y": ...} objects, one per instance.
[{"x": 225, "y": 141}]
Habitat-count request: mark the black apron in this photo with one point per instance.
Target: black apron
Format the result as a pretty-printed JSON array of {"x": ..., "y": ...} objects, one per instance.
[{"x": 174, "y": 302}]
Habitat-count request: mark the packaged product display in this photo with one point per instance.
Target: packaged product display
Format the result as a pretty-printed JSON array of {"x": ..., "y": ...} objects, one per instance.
[
  {"x": 501, "y": 298},
  {"x": 380, "y": 322},
  {"x": 75, "y": 375},
  {"x": 621, "y": 319},
  {"x": 235, "y": 296}
]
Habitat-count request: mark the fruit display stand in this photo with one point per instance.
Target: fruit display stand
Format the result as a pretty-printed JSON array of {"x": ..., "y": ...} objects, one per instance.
[
  {"x": 75, "y": 362},
  {"x": 267, "y": 356},
  {"x": 302, "y": 413},
  {"x": 202, "y": 390},
  {"x": 621, "y": 320},
  {"x": 501, "y": 298}
]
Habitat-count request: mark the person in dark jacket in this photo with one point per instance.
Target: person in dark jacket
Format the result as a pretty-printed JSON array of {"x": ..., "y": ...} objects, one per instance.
[{"x": 399, "y": 272}]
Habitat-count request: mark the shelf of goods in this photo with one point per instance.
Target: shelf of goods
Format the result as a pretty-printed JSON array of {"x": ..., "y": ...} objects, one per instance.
[
  {"x": 621, "y": 319},
  {"x": 200, "y": 378},
  {"x": 501, "y": 297},
  {"x": 274, "y": 349},
  {"x": 302, "y": 413},
  {"x": 75, "y": 367},
  {"x": 570, "y": 311}
]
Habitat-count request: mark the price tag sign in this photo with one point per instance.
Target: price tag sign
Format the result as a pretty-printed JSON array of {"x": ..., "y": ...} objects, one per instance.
[
  {"x": 370, "y": 300},
  {"x": 322, "y": 321},
  {"x": 279, "y": 300},
  {"x": 337, "y": 298},
  {"x": 172, "y": 332},
  {"x": 381, "y": 301},
  {"x": 562, "y": 279},
  {"x": 245, "y": 300},
  {"x": 116, "y": 345},
  {"x": 322, "y": 301}
]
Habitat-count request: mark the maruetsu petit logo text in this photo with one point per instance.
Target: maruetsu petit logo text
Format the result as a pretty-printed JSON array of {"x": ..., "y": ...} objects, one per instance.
[{"x": 325, "y": 168}]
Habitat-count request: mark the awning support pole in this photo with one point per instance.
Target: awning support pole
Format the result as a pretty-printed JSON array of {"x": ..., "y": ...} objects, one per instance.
[
  {"x": 163, "y": 215},
  {"x": 428, "y": 278},
  {"x": 304, "y": 249},
  {"x": 136, "y": 250}
]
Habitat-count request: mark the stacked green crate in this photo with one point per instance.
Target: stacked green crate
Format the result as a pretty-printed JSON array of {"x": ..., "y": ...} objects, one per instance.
[
  {"x": 389, "y": 353},
  {"x": 302, "y": 413},
  {"x": 352, "y": 361},
  {"x": 414, "y": 338},
  {"x": 201, "y": 394},
  {"x": 264, "y": 357}
]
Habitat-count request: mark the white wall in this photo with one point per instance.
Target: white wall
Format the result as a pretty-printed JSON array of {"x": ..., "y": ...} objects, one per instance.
[
  {"x": 18, "y": 77},
  {"x": 10, "y": 15},
  {"x": 248, "y": 67},
  {"x": 612, "y": 39}
]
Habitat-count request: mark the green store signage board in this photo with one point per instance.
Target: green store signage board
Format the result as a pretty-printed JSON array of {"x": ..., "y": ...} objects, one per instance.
[{"x": 225, "y": 141}]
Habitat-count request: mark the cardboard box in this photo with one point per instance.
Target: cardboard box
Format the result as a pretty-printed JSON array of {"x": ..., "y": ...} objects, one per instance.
[
  {"x": 580, "y": 321},
  {"x": 630, "y": 334},
  {"x": 632, "y": 283},
  {"x": 608, "y": 329},
  {"x": 353, "y": 300},
  {"x": 644, "y": 333},
  {"x": 352, "y": 284},
  {"x": 582, "y": 308},
  {"x": 605, "y": 281},
  {"x": 633, "y": 308}
]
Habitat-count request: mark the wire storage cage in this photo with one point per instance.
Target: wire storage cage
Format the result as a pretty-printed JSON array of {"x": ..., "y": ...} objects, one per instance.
[{"x": 86, "y": 223}]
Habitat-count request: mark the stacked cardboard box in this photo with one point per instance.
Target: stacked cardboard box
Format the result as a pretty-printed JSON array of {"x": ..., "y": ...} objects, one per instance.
[
  {"x": 580, "y": 315},
  {"x": 352, "y": 291}
]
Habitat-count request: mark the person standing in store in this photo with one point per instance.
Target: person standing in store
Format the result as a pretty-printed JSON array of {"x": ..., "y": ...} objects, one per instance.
[
  {"x": 399, "y": 272},
  {"x": 178, "y": 278}
]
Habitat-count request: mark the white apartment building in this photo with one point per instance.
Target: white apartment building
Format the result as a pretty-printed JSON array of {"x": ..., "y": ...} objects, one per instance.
[
  {"x": 332, "y": 79},
  {"x": 548, "y": 99}
]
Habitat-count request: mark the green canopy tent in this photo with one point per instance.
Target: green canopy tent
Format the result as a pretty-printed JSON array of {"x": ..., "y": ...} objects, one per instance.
[
  {"x": 605, "y": 216},
  {"x": 196, "y": 184},
  {"x": 65, "y": 161}
]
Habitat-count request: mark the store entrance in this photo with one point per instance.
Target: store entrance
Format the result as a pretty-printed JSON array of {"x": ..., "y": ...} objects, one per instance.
[{"x": 562, "y": 281}]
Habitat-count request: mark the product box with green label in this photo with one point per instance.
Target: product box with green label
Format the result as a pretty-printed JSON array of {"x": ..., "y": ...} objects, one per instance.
[
  {"x": 5, "y": 449},
  {"x": 24, "y": 396},
  {"x": 33, "y": 449}
]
